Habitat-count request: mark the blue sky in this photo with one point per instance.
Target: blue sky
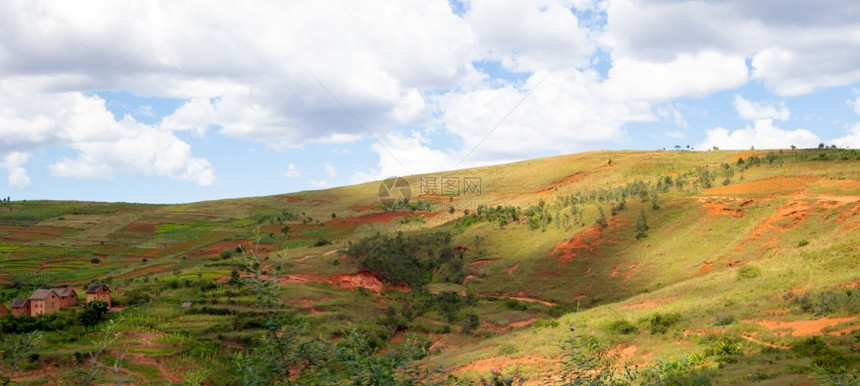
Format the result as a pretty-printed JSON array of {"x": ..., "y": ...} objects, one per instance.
[{"x": 158, "y": 101}]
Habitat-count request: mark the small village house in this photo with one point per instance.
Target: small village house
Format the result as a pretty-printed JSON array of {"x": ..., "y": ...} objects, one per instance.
[
  {"x": 98, "y": 291},
  {"x": 3, "y": 309},
  {"x": 44, "y": 301},
  {"x": 68, "y": 297},
  {"x": 21, "y": 307}
]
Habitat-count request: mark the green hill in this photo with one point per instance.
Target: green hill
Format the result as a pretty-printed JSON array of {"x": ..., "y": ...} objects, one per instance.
[{"x": 689, "y": 267}]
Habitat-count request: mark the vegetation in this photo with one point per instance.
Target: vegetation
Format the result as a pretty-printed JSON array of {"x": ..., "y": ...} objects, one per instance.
[{"x": 699, "y": 267}]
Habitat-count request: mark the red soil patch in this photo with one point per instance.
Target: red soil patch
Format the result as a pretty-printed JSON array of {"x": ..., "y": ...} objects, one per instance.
[
  {"x": 718, "y": 208},
  {"x": 800, "y": 327},
  {"x": 329, "y": 253},
  {"x": 706, "y": 266},
  {"x": 652, "y": 303},
  {"x": 585, "y": 241},
  {"x": 139, "y": 227},
  {"x": 467, "y": 279},
  {"x": 630, "y": 271},
  {"x": 37, "y": 232},
  {"x": 513, "y": 268},
  {"x": 575, "y": 177},
  {"x": 762, "y": 187},
  {"x": 361, "y": 279},
  {"x": 614, "y": 271},
  {"x": 845, "y": 331},
  {"x": 787, "y": 217},
  {"x": 362, "y": 208}
]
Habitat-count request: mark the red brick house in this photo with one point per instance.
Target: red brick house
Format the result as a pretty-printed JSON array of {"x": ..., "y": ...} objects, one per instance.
[
  {"x": 21, "y": 307},
  {"x": 44, "y": 301},
  {"x": 3, "y": 309},
  {"x": 98, "y": 292},
  {"x": 68, "y": 297}
]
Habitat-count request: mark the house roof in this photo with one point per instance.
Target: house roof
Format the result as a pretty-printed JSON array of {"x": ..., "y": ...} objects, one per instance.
[
  {"x": 41, "y": 294},
  {"x": 63, "y": 292},
  {"x": 18, "y": 303},
  {"x": 96, "y": 287}
]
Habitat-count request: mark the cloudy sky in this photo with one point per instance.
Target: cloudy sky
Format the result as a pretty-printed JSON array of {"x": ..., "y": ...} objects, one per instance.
[{"x": 178, "y": 101}]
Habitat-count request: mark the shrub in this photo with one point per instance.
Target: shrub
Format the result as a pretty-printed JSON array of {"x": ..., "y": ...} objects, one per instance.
[
  {"x": 660, "y": 323},
  {"x": 724, "y": 320},
  {"x": 803, "y": 243},
  {"x": 748, "y": 272},
  {"x": 622, "y": 327},
  {"x": 226, "y": 253},
  {"x": 471, "y": 323},
  {"x": 95, "y": 260},
  {"x": 320, "y": 242}
]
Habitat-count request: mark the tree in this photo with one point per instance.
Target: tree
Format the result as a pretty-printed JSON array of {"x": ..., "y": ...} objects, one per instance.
[
  {"x": 641, "y": 226},
  {"x": 93, "y": 313}
]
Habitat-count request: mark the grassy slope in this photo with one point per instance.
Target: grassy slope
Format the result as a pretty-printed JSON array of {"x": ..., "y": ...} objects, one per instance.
[{"x": 688, "y": 263}]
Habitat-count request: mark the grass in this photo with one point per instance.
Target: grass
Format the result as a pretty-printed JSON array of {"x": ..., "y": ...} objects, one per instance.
[{"x": 719, "y": 271}]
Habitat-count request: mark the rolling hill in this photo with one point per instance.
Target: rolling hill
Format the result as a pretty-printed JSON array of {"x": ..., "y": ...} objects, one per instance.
[{"x": 685, "y": 267}]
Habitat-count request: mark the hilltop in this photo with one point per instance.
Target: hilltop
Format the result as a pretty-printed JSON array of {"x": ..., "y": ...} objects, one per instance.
[{"x": 718, "y": 266}]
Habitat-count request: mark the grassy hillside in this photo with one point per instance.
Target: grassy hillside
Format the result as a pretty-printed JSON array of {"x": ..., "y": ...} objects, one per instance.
[{"x": 702, "y": 267}]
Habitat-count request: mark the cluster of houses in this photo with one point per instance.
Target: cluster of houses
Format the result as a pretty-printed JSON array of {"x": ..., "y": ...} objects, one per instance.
[{"x": 48, "y": 301}]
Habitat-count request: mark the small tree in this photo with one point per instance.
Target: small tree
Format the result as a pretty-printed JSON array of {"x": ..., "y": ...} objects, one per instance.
[
  {"x": 641, "y": 226},
  {"x": 93, "y": 313}
]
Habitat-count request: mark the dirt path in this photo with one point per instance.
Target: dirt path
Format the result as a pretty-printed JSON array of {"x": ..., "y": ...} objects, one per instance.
[{"x": 800, "y": 327}]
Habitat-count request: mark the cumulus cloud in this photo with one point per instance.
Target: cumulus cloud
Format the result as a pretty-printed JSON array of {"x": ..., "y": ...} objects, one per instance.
[
  {"x": 105, "y": 147},
  {"x": 753, "y": 111},
  {"x": 527, "y": 36},
  {"x": 762, "y": 135},
  {"x": 695, "y": 75},
  {"x": 18, "y": 176},
  {"x": 794, "y": 49},
  {"x": 850, "y": 140}
]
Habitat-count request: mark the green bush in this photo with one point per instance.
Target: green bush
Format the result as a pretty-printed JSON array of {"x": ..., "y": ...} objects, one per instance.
[
  {"x": 660, "y": 323},
  {"x": 748, "y": 272},
  {"x": 724, "y": 320},
  {"x": 622, "y": 327}
]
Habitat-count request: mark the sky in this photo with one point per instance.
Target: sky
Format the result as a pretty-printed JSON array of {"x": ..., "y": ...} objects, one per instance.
[{"x": 182, "y": 101}]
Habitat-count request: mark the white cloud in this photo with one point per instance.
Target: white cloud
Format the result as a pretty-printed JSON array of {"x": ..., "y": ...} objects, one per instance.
[
  {"x": 105, "y": 147},
  {"x": 330, "y": 171},
  {"x": 292, "y": 172},
  {"x": 794, "y": 49},
  {"x": 566, "y": 109},
  {"x": 528, "y": 36},
  {"x": 752, "y": 111},
  {"x": 18, "y": 176},
  {"x": 850, "y": 140},
  {"x": 763, "y": 135},
  {"x": 696, "y": 75}
]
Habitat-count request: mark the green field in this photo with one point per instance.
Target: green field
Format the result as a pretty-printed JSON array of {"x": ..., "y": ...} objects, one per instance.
[{"x": 689, "y": 267}]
